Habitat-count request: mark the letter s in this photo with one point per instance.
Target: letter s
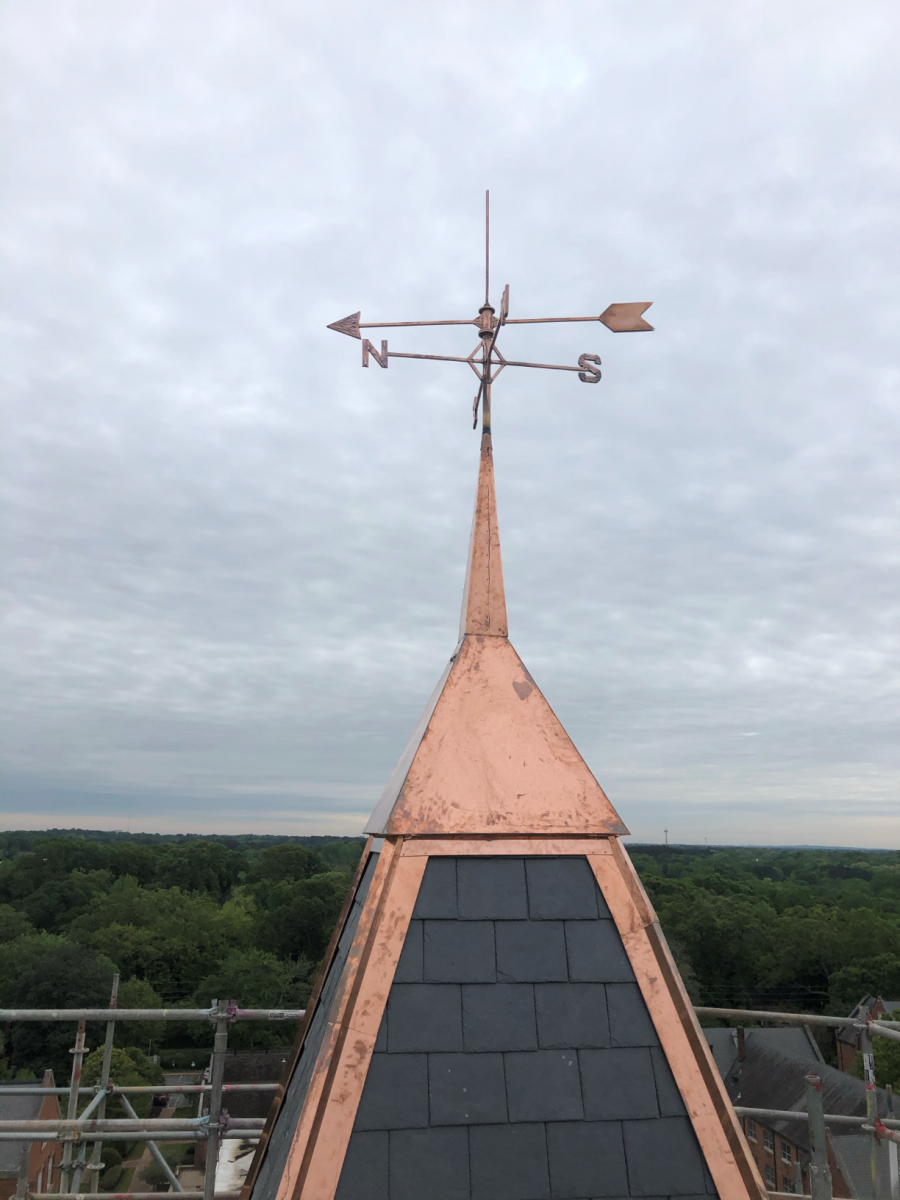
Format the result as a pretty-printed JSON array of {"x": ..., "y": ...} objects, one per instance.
[{"x": 589, "y": 374}]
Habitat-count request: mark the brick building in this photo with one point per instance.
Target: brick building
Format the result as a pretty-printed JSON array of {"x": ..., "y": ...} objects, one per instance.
[
  {"x": 28, "y": 1166},
  {"x": 849, "y": 1041},
  {"x": 767, "y": 1068}
]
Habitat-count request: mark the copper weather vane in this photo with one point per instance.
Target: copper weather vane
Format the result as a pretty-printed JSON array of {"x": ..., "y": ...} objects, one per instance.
[{"x": 486, "y": 360}]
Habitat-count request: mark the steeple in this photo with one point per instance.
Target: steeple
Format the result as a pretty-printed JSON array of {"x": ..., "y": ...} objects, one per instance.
[{"x": 498, "y": 1013}]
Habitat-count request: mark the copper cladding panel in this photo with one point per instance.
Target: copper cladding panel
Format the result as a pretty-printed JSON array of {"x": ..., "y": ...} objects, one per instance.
[
  {"x": 306, "y": 1133},
  {"x": 318, "y": 984},
  {"x": 699, "y": 1082},
  {"x": 484, "y": 598},
  {"x": 361, "y": 1021},
  {"x": 492, "y": 847},
  {"x": 494, "y": 759}
]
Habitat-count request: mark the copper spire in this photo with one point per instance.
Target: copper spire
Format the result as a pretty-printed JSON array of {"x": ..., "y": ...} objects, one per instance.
[
  {"x": 484, "y": 600},
  {"x": 489, "y": 755}
]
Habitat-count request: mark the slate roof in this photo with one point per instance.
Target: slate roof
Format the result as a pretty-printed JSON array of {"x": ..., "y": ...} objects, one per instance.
[
  {"x": 796, "y": 1040},
  {"x": 771, "y": 1077},
  {"x": 16, "y": 1108},
  {"x": 516, "y": 1059}
]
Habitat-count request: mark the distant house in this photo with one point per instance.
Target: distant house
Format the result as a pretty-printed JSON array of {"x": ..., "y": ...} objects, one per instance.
[
  {"x": 767, "y": 1068},
  {"x": 28, "y": 1166},
  {"x": 849, "y": 1040}
]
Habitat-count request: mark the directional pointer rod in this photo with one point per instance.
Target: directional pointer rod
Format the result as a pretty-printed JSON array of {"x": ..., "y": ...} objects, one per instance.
[{"x": 620, "y": 318}]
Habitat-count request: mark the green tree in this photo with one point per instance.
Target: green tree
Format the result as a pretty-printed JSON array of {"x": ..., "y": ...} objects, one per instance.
[
  {"x": 297, "y": 918},
  {"x": 201, "y": 866},
  {"x": 887, "y": 1063},
  {"x": 57, "y": 902},
  {"x": 257, "y": 979},
  {"x": 168, "y": 937},
  {"x": 289, "y": 863},
  {"x": 138, "y": 993},
  {"x": 128, "y": 1068},
  {"x": 877, "y": 976},
  {"x": 13, "y": 924},
  {"x": 44, "y": 971}
]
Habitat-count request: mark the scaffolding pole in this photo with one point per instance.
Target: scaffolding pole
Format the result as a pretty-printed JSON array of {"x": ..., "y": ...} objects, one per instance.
[
  {"x": 95, "y": 1163},
  {"x": 143, "y": 1089},
  {"x": 131, "y": 1195},
  {"x": 155, "y": 1153},
  {"x": 792, "y": 1114},
  {"x": 819, "y": 1171},
  {"x": 217, "y": 1077},
  {"x": 78, "y": 1051},
  {"x": 150, "y": 1014}
]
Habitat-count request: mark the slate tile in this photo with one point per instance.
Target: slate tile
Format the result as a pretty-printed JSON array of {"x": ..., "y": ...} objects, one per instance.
[
  {"x": 663, "y": 1157},
  {"x": 437, "y": 894},
  {"x": 395, "y": 1094},
  {"x": 491, "y": 889},
  {"x": 587, "y": 1158},
  {"x": 571, "y": 1014},
  {"x": 409, "y": 968},
  {"x": 531, "y": 951},
  {"x": 629, "y": 1021},
  {"x": 667, "y": 1093},
  {"x": 424, "y": 1016},
  {"x": 499, "y": 1016},
  {"x": 364, "y": 1175},
  {"x": 430, "y": 1163},
  {"x": 381, "y": 1045},
  {"x": 560, "y": 889},
  {"x": 618, "y": 1084},
  {"x": 509, "y": 1162},
  {"x": 543, "y": 1085},
  {"x": 460, "y": 952},
  {"x": 596, "y": 953},
  {"x": 466, "y": 1089}
]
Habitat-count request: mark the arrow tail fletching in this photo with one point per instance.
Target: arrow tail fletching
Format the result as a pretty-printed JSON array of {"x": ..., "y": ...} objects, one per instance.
[{"x": 626, "y": 318}]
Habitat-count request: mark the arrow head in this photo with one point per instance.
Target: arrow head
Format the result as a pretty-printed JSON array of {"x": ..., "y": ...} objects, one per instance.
[
  {"x": 621, "y": 318},
  {"x": 350, "y": 325}
]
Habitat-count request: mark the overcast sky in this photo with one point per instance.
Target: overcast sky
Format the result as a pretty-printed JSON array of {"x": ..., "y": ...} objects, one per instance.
[{"x": 233, "y": 559}]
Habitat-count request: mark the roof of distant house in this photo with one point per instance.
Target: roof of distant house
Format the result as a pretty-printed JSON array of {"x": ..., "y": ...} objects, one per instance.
[
  {"x": 772, "y": 1077},
  {"x": 16, "y": 1108},
  {"x": 797, "y": 1040}
]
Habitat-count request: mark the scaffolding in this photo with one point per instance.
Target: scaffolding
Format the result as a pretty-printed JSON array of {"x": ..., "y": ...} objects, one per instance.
[{"x": 76, "y": 1131}]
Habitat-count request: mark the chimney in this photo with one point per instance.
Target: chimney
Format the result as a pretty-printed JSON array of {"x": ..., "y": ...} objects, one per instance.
[{"x": 741, "y": 1043}]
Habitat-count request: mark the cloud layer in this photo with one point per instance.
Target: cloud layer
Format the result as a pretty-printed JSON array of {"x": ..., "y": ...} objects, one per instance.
[{"x": 234, "y": 560}]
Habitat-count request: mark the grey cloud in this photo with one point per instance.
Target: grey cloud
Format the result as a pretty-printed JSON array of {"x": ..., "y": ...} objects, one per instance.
[{"x": 234, "y": 560}]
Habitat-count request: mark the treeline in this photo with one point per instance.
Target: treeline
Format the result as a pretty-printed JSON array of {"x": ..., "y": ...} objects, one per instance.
[
  {"x": 181, "y": 921},
  {"x": 185, "y": 920},
  {"x": 797, "y": 930}
]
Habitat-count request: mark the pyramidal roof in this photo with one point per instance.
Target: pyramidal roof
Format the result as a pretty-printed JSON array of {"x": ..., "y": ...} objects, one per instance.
[{"x": 489, "y": 755}]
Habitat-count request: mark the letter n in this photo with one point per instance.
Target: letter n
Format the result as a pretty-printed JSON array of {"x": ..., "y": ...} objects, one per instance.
[{"x": 368, "y": 348}]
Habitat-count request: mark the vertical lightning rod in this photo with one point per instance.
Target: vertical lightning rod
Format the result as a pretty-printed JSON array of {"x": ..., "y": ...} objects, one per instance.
[{"x": 487, "y": 247}]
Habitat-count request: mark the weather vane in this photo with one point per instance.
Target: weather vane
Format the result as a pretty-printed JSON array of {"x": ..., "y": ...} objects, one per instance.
[{"x": 486, "y": 360}]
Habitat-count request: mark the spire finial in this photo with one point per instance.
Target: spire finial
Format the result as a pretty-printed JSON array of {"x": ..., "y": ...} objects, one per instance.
[{"x": 484, "y": 598}]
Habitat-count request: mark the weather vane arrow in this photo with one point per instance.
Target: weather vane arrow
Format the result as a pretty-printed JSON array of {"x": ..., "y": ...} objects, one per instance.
[{"x": 486, "y": 360}]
